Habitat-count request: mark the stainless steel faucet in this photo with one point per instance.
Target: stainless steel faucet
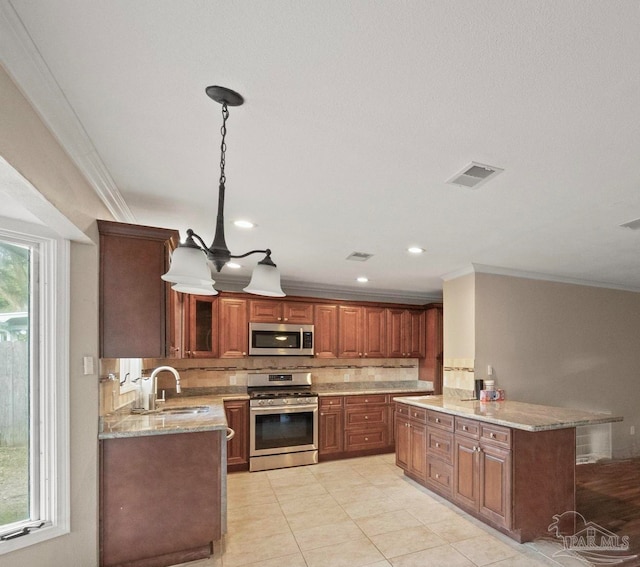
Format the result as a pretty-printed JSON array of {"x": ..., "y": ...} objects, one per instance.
[{"x": 153, "y": 397}]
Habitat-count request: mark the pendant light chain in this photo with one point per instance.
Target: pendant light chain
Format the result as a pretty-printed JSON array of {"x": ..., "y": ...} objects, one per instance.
[{"x": 223, "y": 145}]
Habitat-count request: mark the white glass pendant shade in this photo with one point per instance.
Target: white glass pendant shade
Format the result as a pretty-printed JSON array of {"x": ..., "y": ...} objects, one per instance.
[
  {"x": 189, "y": 266},
  {"x": 203, "y": 289},
  {"x": 265, "y": 280}
]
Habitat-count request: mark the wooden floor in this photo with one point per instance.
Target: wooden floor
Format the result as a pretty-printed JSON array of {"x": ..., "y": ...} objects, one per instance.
[{"x": 608, "y": 494}]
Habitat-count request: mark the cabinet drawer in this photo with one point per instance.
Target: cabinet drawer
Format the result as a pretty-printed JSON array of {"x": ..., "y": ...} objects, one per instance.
[
  {"x": 369, "y": 439},
  {"x": 365, "y": 399},
  {"x": 439, "y": 476},
  {"x": 330, "y": 402},
  {"x": 440, "y": 444},
  {"x": 418, "y": 414},
  {"x": 365, "y": 416},
  {"x": 468, "y": 427},
  {"x": 496, "y": 435},
  {"x": 438, "y": 419}
]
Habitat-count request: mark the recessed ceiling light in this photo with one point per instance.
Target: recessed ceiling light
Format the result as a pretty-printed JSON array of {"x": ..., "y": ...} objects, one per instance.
[
  {"x": 362, "y": 279},
  {"x": 415, "y": 250},
  {"x": 233, "y": 265},
  {"x": 244, "y": 224}
]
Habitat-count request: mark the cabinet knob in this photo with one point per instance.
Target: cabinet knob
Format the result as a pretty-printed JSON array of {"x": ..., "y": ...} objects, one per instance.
[
  {"x": 366, "y": 400},
  {"x": 244, "y": 354},
  {"x": 437, "y": 475},
  {"x": 359, "y": 354},
  {"x": 286, "y": 318},
  {"x": 365, "y": 354},
  {"x": 437, "y": 445},
  {"x": 492, "y": 435},
  {"x": 366, "y": 417},
  {"x": 437, "y": 420},
  {"x": 317, "y": 354},
  {"x": 464, "y": 428},
  {"x": 279, "y": 318},
  {"x": 366, "y": 439}
]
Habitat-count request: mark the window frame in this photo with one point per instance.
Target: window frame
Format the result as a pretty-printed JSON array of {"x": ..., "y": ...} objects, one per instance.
[{"x": 49, "y": 415}]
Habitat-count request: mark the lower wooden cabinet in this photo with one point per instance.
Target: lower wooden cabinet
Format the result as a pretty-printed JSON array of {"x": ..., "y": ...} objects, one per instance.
[
  {"x": 512, "y": 479},
  {"x": 160, "y": 498},
  {"x": 331, "y": 424},
  {"x": 237, "y": 412},
  {"x": 357, "y": 424},
  {"x": 411, "y": 433}
]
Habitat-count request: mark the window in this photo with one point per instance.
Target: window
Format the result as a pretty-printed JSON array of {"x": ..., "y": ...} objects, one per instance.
[{"x": 34, "y": 399}]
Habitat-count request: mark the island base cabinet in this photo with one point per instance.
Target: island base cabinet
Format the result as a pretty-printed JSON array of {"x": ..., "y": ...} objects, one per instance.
[
  {"x": 160, "y": 498},
  {"x": 511, "y": 479}
]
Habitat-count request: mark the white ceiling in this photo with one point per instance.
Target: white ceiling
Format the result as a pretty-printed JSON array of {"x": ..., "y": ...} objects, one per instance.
[{"x": 356, "y": 114}]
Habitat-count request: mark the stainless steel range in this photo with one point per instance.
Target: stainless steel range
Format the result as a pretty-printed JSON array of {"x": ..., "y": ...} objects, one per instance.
[{"x": 283, "y": 421}]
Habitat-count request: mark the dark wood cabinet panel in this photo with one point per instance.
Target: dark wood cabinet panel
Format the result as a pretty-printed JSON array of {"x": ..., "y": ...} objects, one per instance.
[
  {"x": 411, "y": 452},
  {"x": 151, "y": 488},
  {"x": 375, "y": 332},
  {"x": 350, "y": 339},
  {"x": 295, "y": 312},
  {"x": 331, "y": 432},
  {"x": 233, "y": 328},
  {"x": 133, "y": 298},
  {"x": 495, "y": 484},
  {"x": 237, "y": 412},
  {"x": 466, "y": 479},
  {"x": 325, "y": 336}
]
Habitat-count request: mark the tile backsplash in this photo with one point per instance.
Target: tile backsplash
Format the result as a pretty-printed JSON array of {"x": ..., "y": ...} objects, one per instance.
[
  {"x": 458, "y": 377},
  {"x": 213, "y": 373}
]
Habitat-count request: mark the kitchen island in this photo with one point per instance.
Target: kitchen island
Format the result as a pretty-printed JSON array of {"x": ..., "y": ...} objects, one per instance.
[{"x": 510, "y": 464}]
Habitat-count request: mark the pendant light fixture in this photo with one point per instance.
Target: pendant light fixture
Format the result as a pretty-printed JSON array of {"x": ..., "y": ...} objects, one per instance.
[{"x": 190, "y": 270}]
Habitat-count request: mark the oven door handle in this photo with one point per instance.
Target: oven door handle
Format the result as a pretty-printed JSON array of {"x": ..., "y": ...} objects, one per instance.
[{"x": 283, "y": 409}]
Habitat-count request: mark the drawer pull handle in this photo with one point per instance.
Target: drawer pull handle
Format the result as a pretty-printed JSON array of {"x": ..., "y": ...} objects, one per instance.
[{"x": 230, "y": 434}]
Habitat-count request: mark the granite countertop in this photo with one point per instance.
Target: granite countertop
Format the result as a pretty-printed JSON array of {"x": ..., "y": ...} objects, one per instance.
[
  {"x": 118, "y": 425},
  {"x": 517, "y": 415},
  {"x": 124, "y": 424}
]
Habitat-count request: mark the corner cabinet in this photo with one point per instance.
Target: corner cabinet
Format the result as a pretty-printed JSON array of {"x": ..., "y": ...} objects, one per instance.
[
  {"x": 513, "y": 480},
  {"x": 134, "y": 320}
]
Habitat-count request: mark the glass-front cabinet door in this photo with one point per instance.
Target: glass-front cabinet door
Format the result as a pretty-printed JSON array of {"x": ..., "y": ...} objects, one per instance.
[{"x": 202, "y": 336}]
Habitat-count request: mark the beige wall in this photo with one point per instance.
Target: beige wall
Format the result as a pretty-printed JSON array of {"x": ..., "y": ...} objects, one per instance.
[
  {"x": 564, "y": 345},
  {"x": 459, "y": 347},
  {"x": 30, "y": 148}
]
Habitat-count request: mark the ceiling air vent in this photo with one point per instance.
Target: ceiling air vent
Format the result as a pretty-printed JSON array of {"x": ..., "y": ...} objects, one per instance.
[
  {"x": 359, "y": 256},
  {"x": 633, "y": 225},
  {"x": 474, "y": 175}
]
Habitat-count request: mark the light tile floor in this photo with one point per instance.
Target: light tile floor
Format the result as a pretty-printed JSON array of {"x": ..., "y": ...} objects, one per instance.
[{"x": 353, "y": 513}]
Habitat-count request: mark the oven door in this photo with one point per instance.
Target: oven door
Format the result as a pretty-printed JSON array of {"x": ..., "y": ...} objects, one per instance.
[{"x": 277, "y": 430}]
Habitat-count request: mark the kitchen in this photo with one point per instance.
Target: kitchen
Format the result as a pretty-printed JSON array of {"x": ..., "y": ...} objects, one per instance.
[{"x": 549, "y": 342}]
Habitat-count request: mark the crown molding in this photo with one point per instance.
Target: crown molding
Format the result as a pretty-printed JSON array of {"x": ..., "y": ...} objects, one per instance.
[
  {"x": 303, "y": 289},
  {"x": 498, "y": 271},
  {"x": 22, "y": 60}
]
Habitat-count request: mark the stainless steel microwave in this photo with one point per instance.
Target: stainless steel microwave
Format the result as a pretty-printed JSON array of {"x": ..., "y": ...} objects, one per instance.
[{"x": 275, "y": 339}]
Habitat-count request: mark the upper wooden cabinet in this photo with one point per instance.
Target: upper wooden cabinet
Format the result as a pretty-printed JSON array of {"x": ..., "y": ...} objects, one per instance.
[
  {"x": 406, "y": 333},
  {"x": 133, "y": 298},
  {"x": 362, "y": 332},
  {"x": 430, "y": 367},
  {"x": 270, "y": 311},
  {"x": 325, "y": 335},
  {"x": 233, "y": 328}
]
